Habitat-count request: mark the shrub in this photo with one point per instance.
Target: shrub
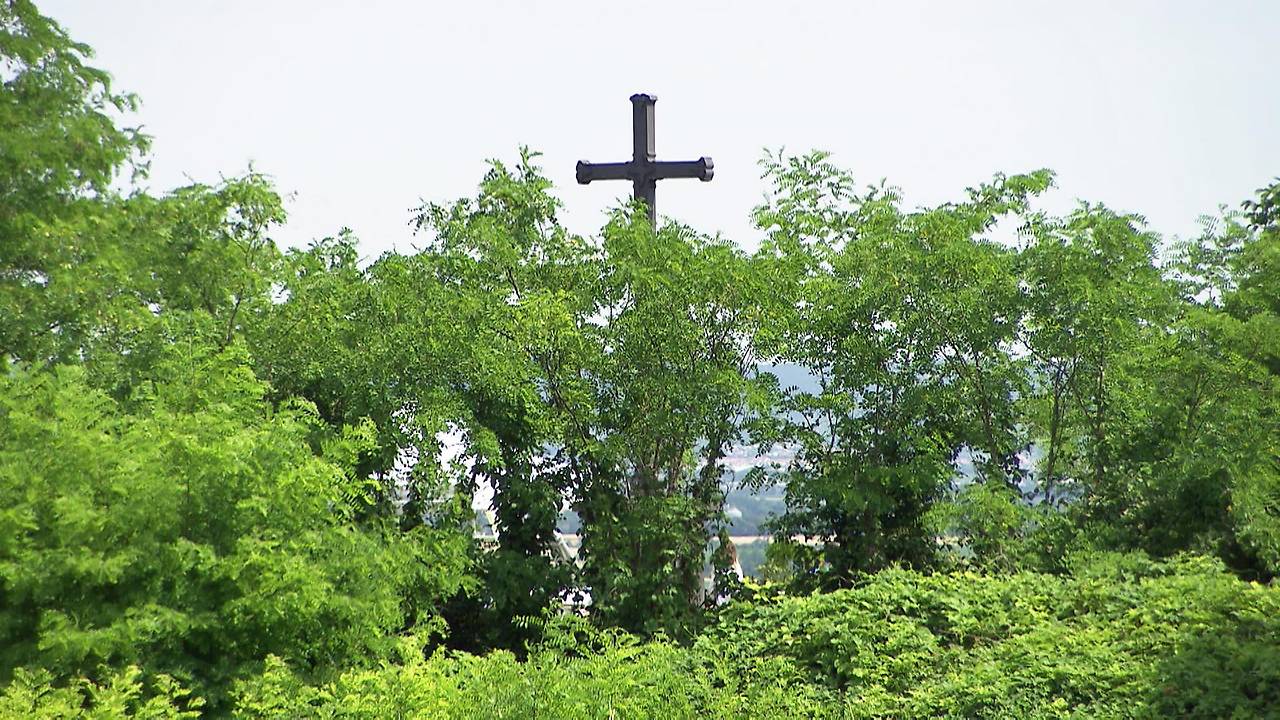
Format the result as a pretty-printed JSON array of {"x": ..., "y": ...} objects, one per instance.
[{"x": 193, "y": 536}]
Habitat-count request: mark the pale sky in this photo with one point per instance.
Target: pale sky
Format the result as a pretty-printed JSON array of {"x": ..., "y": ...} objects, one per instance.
[{"x": 359, "y": 109}]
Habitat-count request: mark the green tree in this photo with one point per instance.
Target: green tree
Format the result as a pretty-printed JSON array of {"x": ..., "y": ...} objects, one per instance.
[
  {"x": 518, "y": 288},
  {"x": 612, "y": 375},
  {"x": 196, "y": 534},
  {"x": 62, "y": 150},
  {"x": 1098, "y": 311},
  {"x": 673, "y": 388},
  {"x": 1213, "y": 480},
  {"x": 62, "y": 144},
  {"x": 91, "y": 274},
  {"x": 906, "y": 322},
  {"x": 477, "y": 337}
]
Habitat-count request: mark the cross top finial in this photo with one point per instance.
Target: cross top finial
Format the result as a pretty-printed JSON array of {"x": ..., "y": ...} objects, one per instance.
[{"x": 644, "y": 171}]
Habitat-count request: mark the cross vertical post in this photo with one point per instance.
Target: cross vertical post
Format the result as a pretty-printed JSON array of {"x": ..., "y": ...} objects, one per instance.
[
  {"x": 644, "y": 152},
  {"x": 644, "y": 171}
]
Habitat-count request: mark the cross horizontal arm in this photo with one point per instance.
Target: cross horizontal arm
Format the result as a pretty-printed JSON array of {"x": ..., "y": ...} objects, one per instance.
[
  {"x": 702, "y": 168},
  {"x": 602, "y": 171}
]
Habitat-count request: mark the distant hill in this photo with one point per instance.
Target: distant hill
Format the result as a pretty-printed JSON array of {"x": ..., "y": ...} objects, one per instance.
[{"x": 747, "y": 510}]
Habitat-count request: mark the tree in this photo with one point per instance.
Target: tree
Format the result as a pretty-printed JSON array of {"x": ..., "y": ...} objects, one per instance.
[
  {"x": 88, "y": 273},
  {"x": 1098, "y": 310},
  {"x": 905, "y": 321},
  {"x": 196, "y": 534},
  {"x": 62, "y": 151},
  {"x": 673, "y": 386},
  {"x": 1213, "y": 475},
  {"x": 156, "y": 509},
  {"x": 611, "y": 375},
  {"x": 62, "y": 145},
  {"x": 518, "y": 289}
]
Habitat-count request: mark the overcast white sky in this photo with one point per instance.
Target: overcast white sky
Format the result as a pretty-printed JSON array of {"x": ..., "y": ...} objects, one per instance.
[{"x": 361, "y": 108}]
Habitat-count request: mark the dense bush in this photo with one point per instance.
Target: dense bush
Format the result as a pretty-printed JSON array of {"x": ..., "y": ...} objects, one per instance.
[
  {"x": 195, "y": 535},
  {"x": 1120, "y": 636},
  {"x": 620, "y": 679}
]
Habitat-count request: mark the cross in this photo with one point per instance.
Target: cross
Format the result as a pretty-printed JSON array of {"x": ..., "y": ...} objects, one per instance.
[{"x": 643, "y": 171}]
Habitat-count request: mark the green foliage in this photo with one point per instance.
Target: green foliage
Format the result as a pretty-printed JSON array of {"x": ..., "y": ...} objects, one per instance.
[
  {"x": 906, "y": 321},
  {"x": 61, "y": 151},
  {"x": 59, "y": 114},
  {"x": 1195, "y": 460},
  {"x": 1097, "y": 309},
  {"x": 673, "y": 387},
  {"x": 1120, "y": 636},
  {"x": 224, "y": 486},
  {"x": 610, "y": 375},
  {"x": 192, "y": 536},
  {"x": 988, "y": 525},
  {"x": 614, "y": 677},
  {"x": 1075, "y": 369},
  {"x": 122, "y": 694},
  {"x": 113, "y": 284}
]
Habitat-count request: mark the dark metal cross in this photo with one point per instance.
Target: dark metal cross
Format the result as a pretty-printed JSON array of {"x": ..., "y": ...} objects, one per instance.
[{"x": 643, "y": 171}]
